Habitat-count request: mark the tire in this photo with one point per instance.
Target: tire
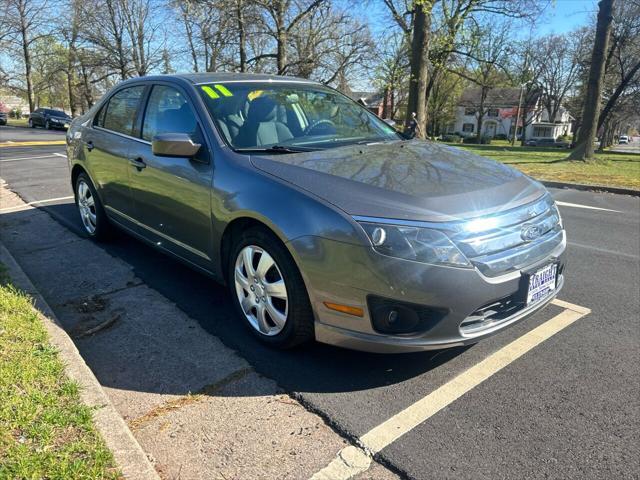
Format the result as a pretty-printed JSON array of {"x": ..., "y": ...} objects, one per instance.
[
  {"x": 31, "y": 124},
  {"x": 47, "y": 125},
  {"x": 298, "y": 323},
  {"x": 92, "y": 215}
]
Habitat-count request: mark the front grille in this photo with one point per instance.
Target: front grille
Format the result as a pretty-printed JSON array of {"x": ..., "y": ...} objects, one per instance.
[{"x": 499, "y": 244}]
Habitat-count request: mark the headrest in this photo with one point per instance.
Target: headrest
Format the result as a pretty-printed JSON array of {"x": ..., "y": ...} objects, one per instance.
[{"x": 262, "y": 109}]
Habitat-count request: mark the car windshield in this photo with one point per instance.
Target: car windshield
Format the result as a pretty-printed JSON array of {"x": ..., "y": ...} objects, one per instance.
[{"x": 290, "y": 117}]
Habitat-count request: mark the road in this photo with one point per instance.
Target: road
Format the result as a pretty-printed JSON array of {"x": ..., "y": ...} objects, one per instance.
[
  {"x": 633, "y": 147},
  {"x": 25, "y": 134},
  {"x": 568, "y": 408}
]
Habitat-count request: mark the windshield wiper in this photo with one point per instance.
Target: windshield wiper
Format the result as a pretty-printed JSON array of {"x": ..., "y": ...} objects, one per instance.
[{"x": 275, "y": 149}]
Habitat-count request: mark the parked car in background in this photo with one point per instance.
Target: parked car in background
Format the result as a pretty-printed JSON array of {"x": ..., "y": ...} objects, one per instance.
[
  {"x": 623, "y": 140},
  {"x": 323, "y": 221},
  {"x": 547, "y": 142},
  {"x": 49, "y": 118},
  {"x": 3, "y": 118}
]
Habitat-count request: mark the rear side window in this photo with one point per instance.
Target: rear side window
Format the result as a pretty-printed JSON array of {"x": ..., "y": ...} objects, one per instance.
[
  {"x": 168, "y": 112},
  {"x": 121, "y": 110}
]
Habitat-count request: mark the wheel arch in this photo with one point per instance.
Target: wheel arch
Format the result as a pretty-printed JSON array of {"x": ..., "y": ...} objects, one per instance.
[{"x": 232, "y": 233}]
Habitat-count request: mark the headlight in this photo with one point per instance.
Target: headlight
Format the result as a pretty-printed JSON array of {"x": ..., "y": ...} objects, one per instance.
[
  {"x": 556, "y": 210},
  {"x": 415, "y": 243}
]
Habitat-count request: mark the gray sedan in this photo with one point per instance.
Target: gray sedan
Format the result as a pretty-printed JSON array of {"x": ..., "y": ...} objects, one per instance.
[{"x": 324, "y": 221}]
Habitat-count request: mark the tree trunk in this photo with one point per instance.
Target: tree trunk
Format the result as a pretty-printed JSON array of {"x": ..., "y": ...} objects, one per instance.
[
  {"x": 584, "y": 149},
  {"x": 614, "y": 98},
  {"x": 242, "y": 36},
  {"x": 71, "y": 61},
  {"x": 87, "y": 85},
  {"x": 483, "y": 97},
  {"x": 523, "y": 116},
  {"x": 417, "y": 102},
  {"x": 281, "y": 31},
  {"x": 26, "y": 54}
]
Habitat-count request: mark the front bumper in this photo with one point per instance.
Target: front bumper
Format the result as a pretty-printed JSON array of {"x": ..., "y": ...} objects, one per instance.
[{"x": 349, "y": 274}]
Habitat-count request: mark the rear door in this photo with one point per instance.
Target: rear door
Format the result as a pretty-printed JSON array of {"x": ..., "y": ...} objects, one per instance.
[
  {"x": 106, "y": 147},
  {"x": 172, "y": 195}
]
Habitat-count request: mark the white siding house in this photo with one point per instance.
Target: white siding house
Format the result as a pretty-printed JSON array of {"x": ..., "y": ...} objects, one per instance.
[{"x": 500, "y": 109}]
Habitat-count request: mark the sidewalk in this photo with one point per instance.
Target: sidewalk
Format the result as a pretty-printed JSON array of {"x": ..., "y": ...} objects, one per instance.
[{"x": 196, "y": 408}]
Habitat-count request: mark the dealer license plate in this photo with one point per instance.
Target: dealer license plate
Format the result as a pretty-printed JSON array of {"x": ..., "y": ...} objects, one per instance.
[{"x": 542, "y": 283}]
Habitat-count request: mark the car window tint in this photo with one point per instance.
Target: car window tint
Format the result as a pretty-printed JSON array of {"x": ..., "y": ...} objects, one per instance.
[
  {"x": 121, "y": 110},
  {"x": 98, "y": 120},
  {"x": 168, "y": 112}
]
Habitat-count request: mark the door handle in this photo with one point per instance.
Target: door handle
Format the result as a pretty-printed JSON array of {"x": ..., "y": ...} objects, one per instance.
[
  {"x": 89, "y": 145},
  {"x": 138, "y": 163}
]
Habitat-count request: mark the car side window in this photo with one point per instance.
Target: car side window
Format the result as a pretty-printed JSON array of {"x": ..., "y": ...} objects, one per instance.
[
  {"x": 98, "y": 120},
  {"x": 168, "y": 111},
  {"x": 121, "y": 110}
]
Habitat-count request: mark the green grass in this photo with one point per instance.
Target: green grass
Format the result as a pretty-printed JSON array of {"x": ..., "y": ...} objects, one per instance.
[
  {"x": 609, "y": 169},
  {"x": 45, "y": 430},
  {"x": 18, "y": 122}
]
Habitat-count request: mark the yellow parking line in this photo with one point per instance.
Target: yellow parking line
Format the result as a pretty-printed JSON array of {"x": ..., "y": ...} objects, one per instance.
[
  {"x": 353, "y": 460},
  {"x": 33, "y": 143}
]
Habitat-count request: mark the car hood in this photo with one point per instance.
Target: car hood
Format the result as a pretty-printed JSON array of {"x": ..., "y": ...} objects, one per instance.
[{"x": 411, "y": 180}]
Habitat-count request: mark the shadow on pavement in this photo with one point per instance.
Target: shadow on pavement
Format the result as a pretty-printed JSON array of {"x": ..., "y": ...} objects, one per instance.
[{"x": 312, "y": 368}]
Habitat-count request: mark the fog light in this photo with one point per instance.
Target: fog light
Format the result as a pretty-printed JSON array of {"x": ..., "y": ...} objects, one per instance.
[{"x": 401, "y": 318}]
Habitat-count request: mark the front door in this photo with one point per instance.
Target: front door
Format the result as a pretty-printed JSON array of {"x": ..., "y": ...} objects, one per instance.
[{"x": 172, "y": 194}]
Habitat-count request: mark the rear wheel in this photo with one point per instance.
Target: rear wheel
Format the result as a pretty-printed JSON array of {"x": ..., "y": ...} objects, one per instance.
[
  {"x": 94, "y": 220},
  {"x": 31, "y": 124},
  {"x": 268, "y": 290}
]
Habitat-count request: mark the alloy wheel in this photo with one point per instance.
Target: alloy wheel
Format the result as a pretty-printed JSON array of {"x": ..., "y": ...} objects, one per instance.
[
  {"x": 261, "y": 290},
  {"x": 87, "y": 207}
]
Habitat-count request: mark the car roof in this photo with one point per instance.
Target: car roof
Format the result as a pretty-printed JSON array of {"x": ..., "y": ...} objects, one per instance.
[{"x": 211, "y": 77}]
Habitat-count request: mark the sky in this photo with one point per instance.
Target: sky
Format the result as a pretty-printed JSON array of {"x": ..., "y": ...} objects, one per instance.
[
  {"x": 561, "y": 16},
  {"x": 566, "y": 15}
]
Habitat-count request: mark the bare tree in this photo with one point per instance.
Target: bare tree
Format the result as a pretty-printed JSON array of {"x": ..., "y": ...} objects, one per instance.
[
  {"x": 488, "y": 52},
  {"x": 391, "y": 74},
  {"x": 584, "y": 149},
  {"x": 26, "y": 23},
  {"x": 280, "y": 19},
  {"x": 142, "y": 32},
  {"x": 327, "y": 44},
  {"x": 557, "y": 63}
]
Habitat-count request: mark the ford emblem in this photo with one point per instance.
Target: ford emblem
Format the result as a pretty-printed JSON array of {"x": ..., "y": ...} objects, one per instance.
[{"x": 530, "y": 232}]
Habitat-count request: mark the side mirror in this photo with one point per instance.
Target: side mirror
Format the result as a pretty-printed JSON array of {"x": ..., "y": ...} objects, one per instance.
[{"x": 174, "y": 145}]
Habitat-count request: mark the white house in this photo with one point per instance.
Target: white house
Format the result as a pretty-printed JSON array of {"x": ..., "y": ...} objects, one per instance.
[{"x": 500, "y": 110}]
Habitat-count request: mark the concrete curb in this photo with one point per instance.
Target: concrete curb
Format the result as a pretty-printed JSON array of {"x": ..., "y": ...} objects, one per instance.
[
  {"x": 129, "y": 456},
  {"x": 591, "y": 188}
]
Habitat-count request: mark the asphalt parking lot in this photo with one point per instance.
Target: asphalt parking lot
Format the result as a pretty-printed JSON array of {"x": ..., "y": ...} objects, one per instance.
[{"x": 568, "y": 407}]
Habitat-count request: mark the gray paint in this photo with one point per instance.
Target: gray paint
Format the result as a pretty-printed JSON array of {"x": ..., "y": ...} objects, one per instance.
[{"x": 183, "y": 207}]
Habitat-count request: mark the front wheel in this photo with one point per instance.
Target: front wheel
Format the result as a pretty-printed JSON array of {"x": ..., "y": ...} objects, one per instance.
[
  {"x": 47, "y": 125},
  {"x": 268, "y": 290},
  {"x": 94, "y": 220}
]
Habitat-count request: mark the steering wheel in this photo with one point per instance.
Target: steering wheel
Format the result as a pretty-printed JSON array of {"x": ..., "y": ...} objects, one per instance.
[{"x": 319, "y": 123}]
